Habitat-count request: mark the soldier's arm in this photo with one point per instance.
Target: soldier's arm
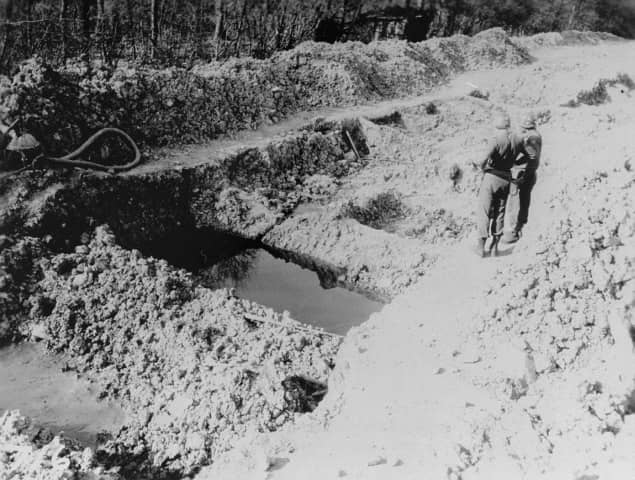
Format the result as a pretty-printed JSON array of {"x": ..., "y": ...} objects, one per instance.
[
  {"x": 533, "y": 146},
  {"x": 493, "y": 149}
]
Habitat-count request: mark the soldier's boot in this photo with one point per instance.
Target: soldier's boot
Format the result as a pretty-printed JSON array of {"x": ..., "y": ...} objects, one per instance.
[
  {"x": 493, "y": 248},
  {"x": 511, "y": 237},
  {"x": 479, "y": 247}
]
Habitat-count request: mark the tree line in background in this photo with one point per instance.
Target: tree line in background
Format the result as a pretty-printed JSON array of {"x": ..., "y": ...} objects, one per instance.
[{"x": 182, "y": 32}]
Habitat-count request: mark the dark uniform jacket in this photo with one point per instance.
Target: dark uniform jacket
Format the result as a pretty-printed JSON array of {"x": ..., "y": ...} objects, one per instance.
[
  {"x": 502, "y": 152},
  {"x": 532, "y": 146}
]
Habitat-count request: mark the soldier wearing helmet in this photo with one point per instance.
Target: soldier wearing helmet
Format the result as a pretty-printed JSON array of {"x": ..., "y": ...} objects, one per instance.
[
  {"x": 17, "y": 151},
  {"x": 524, "y": 179},
  {"x": 494, "y": 189}
]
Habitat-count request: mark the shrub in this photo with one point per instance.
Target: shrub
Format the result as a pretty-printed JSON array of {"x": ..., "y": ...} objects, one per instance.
[
  {"x": 625, "y": 80},
  {"x": 455, "y": 173},
  {"x": 394, "y": 120},
  {"x": 476, "y": 93},
  {"x": 431, "y": 108},
  {"x": 599, "y": 94},
  {"x": 378, "y": 212}
]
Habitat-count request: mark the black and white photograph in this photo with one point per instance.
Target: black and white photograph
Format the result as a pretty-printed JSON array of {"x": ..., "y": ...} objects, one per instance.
[{"x": 317, "y": 239}]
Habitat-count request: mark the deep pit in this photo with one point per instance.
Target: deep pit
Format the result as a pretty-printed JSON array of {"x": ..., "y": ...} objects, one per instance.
[{"x": 266, "y": 277}]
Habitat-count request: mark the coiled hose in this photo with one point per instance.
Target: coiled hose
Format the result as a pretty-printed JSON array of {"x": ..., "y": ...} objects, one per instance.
[{"x": 71, "y": 159}]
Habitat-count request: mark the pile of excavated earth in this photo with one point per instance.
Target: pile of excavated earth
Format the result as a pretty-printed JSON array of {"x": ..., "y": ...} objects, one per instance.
[
  {"x": 521, "y": 365},
  {"x": 176, "y": 105}
]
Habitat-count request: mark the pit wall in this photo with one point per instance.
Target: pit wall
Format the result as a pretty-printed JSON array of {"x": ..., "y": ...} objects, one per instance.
[
  {"x": 251, "y": 194},
  {"x": 245, "y": 194},
  {"x": 19, "y": 274},
  {"x": 176, "y": 106}
]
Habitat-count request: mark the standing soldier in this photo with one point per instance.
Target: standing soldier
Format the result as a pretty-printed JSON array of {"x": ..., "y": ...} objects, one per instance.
[
  {"x": 492, "y": 195},
  {"x": 524, "y": 178}
]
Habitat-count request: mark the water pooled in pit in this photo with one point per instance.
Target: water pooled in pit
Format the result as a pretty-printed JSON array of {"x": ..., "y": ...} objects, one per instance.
[
  {"x": 32, "y": 381},
  {"x": 225, "y": 261}
]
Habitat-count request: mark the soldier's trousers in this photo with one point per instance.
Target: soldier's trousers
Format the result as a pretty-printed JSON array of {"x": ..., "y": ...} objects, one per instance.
[
  {"x": 490, "y": 212},
  {"x": 518, "y": 202}
]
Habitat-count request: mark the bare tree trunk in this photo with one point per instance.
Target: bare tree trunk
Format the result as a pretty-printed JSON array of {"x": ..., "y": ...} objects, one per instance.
[
  {"x": 85, "y": 19},
  {"x": 557, "y": 17},
  {"x": 8, "y": 16},
  {"x": 63, "y": 13},
  {"x": 242, "y": 19},
  {"x": 99, "y": 26},
  {"x": 218, "y": 11},
  {"x": 574, "y": 13},
  {"x": 130, "y": 9},
  {"x": 29, "y": 8},
  {"x": 282, "y": 26},
  {"x": 101, "y": 13},
  {"x": 132, "y": 31},
  {"x": 154, "y": 24}
]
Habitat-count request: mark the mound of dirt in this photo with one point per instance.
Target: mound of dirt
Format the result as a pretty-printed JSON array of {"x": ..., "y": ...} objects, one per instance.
[
  {"x": 565, "y": 38},
  {"x": 599, "y": 94},
  {"x": 371, "y": 261},
  {"x": 583, "y": 269},
  {"x": 568, "y": 310},
  {"x": 175, "y": 106},
  {"x": 195, "y": 369}
]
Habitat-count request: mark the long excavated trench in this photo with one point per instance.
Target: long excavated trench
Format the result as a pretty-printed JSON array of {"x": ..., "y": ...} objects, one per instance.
[
  {"x": 251, "y": 194},
  {"x": 249, "y": 231}
]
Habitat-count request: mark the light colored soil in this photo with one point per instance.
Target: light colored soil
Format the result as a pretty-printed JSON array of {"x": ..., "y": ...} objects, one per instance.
[
  {"x": 434, "y": 385},
  {"x": 440, "y": 384}
]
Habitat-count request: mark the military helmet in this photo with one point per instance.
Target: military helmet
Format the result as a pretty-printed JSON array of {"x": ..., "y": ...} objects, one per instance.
[
  {"x": 528, "y": 122},
  {"x": 23, "y": 143},
  {"x": 502, "y": 121}
]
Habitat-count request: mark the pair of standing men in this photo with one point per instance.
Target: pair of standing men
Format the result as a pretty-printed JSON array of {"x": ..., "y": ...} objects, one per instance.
[{"x": 509, "y": 176}]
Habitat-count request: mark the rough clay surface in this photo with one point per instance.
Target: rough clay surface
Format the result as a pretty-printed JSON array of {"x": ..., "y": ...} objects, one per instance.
[
  {"x": 191, "y": 371},
  {"x": 513, "y": 367}
]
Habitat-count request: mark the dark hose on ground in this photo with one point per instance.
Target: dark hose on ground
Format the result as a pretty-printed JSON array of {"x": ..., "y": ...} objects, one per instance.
[{"x": 70, "y": 160}]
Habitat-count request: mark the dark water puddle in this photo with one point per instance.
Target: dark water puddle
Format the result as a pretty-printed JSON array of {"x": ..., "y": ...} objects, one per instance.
[
  {"x": 225, "y": 261},
  {"x": 33, "y": 382}
]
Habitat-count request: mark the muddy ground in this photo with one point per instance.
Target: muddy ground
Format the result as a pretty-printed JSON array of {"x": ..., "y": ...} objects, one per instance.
[{"x": 379, "y": 200}]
